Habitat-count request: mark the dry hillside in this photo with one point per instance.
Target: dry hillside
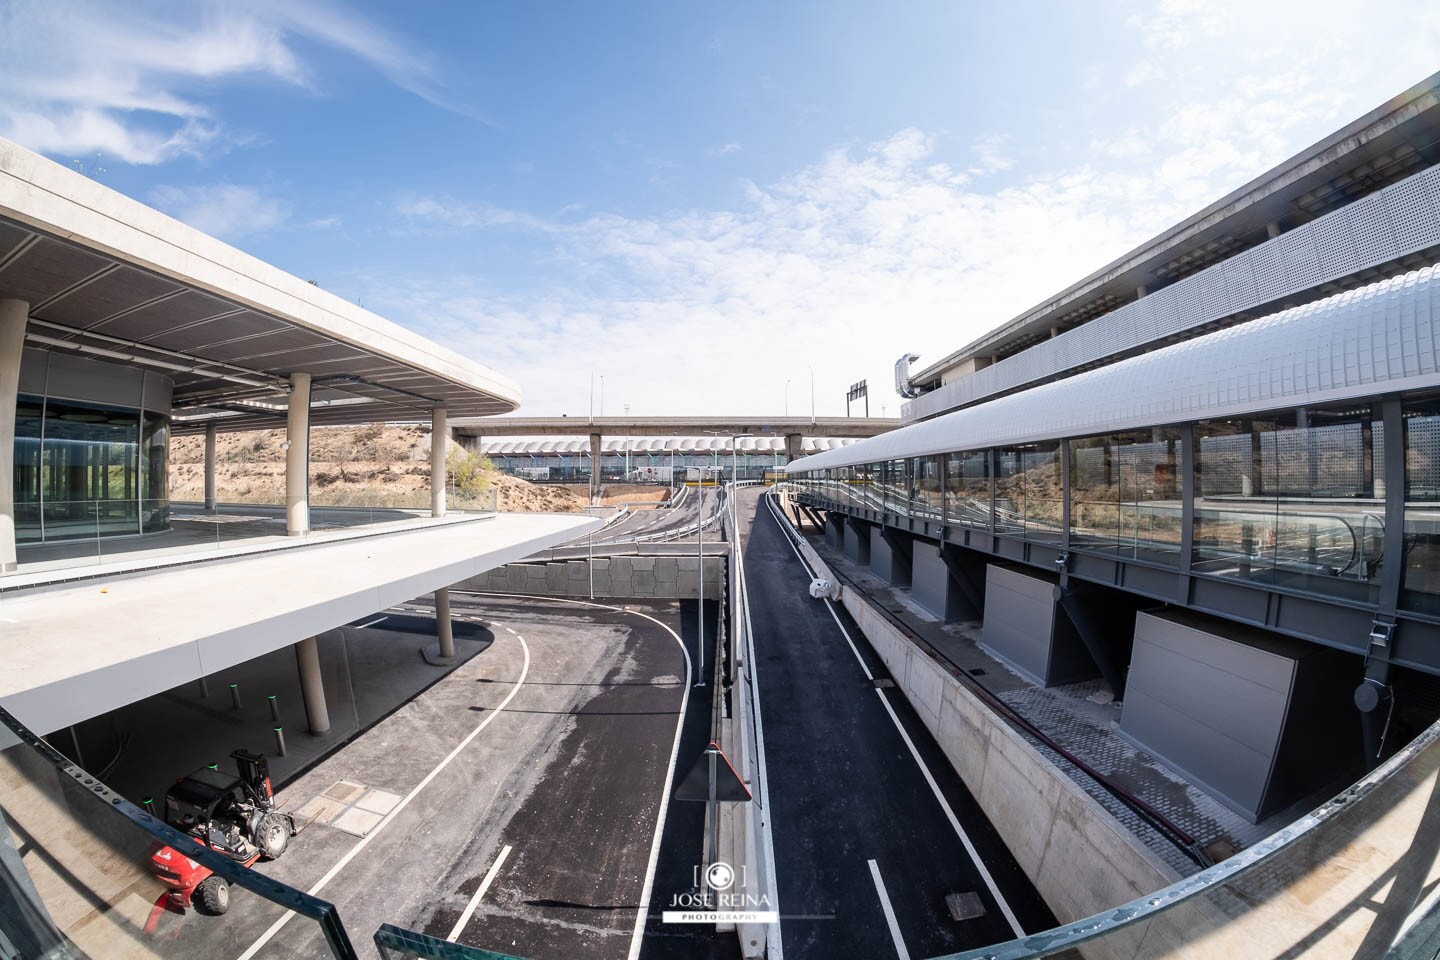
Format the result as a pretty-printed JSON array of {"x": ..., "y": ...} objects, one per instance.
[{"x": 372, "y": 465}]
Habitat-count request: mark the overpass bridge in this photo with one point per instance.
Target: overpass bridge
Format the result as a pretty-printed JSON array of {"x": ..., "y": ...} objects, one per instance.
[{"x": 469, "y": 431}]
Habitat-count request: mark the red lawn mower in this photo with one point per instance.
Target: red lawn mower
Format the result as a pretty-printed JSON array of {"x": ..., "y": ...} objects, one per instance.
[{"x": 233, "y": 815}]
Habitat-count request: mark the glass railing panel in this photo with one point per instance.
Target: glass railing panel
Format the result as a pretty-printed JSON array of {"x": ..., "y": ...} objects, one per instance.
[
  {"x": 1355, "y": 878},
  {"x": 85, "y": 873},
  {"x": 397, "y": 943}
]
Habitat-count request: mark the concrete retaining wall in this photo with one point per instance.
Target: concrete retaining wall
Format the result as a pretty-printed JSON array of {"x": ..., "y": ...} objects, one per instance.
[
  {"x": 660, "y": 578},
  {"x": 1081, "y": 859}
]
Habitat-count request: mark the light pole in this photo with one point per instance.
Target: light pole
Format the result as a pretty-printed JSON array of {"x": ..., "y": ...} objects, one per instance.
[
  {"x": 812, "y": 393},
  {"x": 787, "y": 398},
  {"x": 700, "y": 605}
]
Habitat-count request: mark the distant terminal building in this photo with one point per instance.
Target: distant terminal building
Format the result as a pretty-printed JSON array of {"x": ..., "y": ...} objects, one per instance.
[
  {"x": 647, "y": 459},
  {"x": 1208, "y": 473}
]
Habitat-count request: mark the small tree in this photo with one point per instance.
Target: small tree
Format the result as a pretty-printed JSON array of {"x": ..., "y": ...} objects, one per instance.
[{"x": 470, "y": 473}]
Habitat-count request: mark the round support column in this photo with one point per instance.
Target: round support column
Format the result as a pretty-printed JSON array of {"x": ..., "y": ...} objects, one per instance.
[
  {"x": 444, "y": 628},
  {"x": 14, "y": 314},
  {"x": 312, "y": 686},
  {"x": 439, "y": 434},
  {"x": 210, "y": 431},
  {"x": 297, "y": 457}
]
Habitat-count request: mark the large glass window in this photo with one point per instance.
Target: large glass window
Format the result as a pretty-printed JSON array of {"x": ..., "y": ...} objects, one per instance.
[
  {"x": 1292, "y": 499},
  {"x": 896, "y": 485},
  {"x": 1422, "y": 506},
  {"x": 1125, "y": 494},
  {"x": 928, "y": 495},
  {"x": 85, "y": 470},
  {"x": 967, "y": 488},
  {"x": 1029, "y": 496}
]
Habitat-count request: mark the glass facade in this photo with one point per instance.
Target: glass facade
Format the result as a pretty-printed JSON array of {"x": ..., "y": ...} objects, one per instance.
[
  {"x": 1292, "y": 499},
  {"x": 86, "y": 470}
]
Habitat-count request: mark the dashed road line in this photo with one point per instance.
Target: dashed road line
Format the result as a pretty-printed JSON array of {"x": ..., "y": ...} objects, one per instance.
[{"x": 479, "y": 894}]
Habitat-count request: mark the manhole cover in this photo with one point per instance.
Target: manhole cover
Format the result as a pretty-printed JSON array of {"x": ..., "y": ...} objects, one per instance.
[
  {"x": 1218, "y": 850},
  {"x": 884, "y": 683},
  {"x": 964, "y": 906}
]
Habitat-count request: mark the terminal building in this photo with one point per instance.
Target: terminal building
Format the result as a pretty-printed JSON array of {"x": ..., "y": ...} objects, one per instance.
[{"x": 1208, "y": 473}]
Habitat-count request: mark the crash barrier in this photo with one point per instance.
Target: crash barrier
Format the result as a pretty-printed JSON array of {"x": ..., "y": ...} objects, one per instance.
[
  {"x": 1356, "y": 877},
  {"x": 744, "y": 834},
  {"x": 84, "y": 871}
]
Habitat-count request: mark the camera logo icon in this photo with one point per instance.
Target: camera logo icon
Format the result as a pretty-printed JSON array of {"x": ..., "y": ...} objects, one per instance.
[{"x": 720, "y": 875}]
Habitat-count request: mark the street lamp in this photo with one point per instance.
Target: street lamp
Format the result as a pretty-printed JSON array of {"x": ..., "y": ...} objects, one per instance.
[
  {"x": 787, "y": 398},
  {"x": 812, "y": 393}
]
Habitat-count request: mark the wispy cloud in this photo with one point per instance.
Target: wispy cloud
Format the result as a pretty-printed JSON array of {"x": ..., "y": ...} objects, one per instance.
[
  {"x": 81, "y": 77},
  {"x": 724, "y": 149},
  {"x": 223, "y": 210}
]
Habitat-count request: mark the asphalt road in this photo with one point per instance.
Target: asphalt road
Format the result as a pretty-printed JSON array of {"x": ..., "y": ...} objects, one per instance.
[
  {"x": 847, "y": 790},
  {"x": 678, "y": 520},
  {"x": 569, "y": 772}
]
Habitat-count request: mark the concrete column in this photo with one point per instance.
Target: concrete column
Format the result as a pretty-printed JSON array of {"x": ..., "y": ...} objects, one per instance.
[
  {"x": 297, "y": 457},
  {"x": 211, "y": 429},
  {"x": 312, "y": 686},
  {"x": 444, "y": 629},
  {"x": 595, "y": 467},
  {"x": 439, "y": 434},
  {"x": 14, "y": 314},
  {"x": 792, "y": 447}
]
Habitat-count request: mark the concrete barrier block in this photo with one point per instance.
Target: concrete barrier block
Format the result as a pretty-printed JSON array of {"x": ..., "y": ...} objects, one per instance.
[
  {"x": 964, "y": 742},
  {"x": 687, "y": 584},
  {"x": 577, "y": 570},
  {"x": 924, "y": 682},
  {"x": 555, "y": 578},
  {"x": 643, "y": 583},
  {"x": 643, "y": 563},
  {"x": 666, "y": 570},
  {"x": 621, "y": 568},
  {"x": 601, "y": 563},
  {"x": 516, "y": 580},
  {"x": 602, "y": 583},
  {"x": 1085, "y": 863},
  {"x": 620, "y": 588},
  {"x": 688, "y": 563}
]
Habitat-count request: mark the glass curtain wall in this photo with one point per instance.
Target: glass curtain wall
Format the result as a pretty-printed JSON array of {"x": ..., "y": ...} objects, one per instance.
[
  {"x": 967, "y": 488},
  {"x": 1291, "y": 499},
  {"x": 928, "y": 487},
  {"x": 1422, "y": 506},
  {"x": 1125, "y": 494},
  {"x": 84, "y": 470}
]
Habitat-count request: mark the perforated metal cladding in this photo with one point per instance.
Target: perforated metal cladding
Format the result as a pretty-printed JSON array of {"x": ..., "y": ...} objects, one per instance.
[
  {"x": 1401, "y": 219},
  {"x": 1375, "y": 339}
]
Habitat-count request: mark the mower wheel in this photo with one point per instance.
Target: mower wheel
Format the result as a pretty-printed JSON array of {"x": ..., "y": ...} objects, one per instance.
[
  {"x": 272, "y": 835},
  {"x": 213, "y": 895}
]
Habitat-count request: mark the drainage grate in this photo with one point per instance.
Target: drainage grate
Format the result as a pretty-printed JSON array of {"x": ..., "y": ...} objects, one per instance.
[
  {"x": 353, "y": 808},
  {"x": 964, "y": 906}
]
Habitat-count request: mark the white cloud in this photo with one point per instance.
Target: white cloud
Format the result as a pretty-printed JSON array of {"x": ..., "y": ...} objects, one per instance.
[
  {"x": 81, "y": 77},
  {"x": 223, "y": 210},
  {"x": 724, "y": 149}
]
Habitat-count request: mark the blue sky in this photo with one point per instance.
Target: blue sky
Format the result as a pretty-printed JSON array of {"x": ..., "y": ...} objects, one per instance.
[{"x": 697, "y": 201}]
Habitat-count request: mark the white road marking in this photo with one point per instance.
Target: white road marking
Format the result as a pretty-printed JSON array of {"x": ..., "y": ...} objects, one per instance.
[
  {"x": 773, "y": 946},
  {"x": 934, "y": 787},
  {"x": 372, "y": 623},
  {"x": 889, "y": 912},
  {"x": 404, "y": 802},
  {"x": 479, "y": 895},
  {"x": 643, "y": 910}
]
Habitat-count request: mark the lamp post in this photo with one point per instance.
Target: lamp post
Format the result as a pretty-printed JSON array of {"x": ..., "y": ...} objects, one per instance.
[
  {"x": 812, "y": 393},
  {"x": 700, "y": 604},
  {"x": 787, "y": 398}
]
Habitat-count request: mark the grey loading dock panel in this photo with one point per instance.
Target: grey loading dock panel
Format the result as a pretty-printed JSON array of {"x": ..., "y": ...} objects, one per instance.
[
  {"x": 1256, "y": 720},
  {"x": 1026, "y": 628}
]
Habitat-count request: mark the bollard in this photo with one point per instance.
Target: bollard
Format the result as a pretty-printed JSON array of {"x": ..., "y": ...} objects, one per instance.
[
  {"x": 212, "y": 766},
  {"x": 280, "y": 741},
  {"x": 235, "y": 695},
  {"x": 274, "y": 707},
  {"x": 148, "y": 805},
  {"x": 204, "y": 689}
]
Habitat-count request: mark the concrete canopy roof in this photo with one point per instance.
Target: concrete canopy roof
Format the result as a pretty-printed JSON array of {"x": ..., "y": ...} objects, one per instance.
[
  {"x": 111, "y": 278},
  {"x": 1390, "y": 142}
]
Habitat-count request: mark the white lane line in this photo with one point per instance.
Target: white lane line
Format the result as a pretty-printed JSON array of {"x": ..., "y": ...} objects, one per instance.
[
  {"x": 479, "y": 895},
  {"x": 934, "y": 787},
  {"x": 389, "y": 818},
  {"x": 643, "y": 911},
  {"x": 889, "y": 912},
  {"x": 372, "y": 623},
  {"x": 774, "y": 949}
]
